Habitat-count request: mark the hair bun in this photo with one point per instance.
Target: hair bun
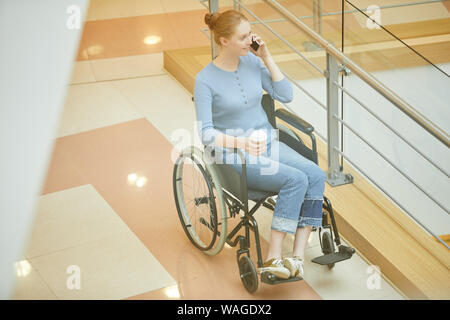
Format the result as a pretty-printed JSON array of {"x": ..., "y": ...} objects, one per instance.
[{"x": 210, "y": 19}]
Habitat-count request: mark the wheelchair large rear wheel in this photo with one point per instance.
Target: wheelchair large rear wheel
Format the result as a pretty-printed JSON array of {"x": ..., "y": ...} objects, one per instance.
[{"x": 199, "y": 201}]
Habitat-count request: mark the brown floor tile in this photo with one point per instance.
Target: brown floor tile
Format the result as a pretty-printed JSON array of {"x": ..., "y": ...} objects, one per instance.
[
  {"x": 62, "y": 172},
  {"x": 125, "y": 36},
  {"x": 187, "y": 28}
]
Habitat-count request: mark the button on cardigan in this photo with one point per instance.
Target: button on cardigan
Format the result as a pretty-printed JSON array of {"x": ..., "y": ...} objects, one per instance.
[{"x": 230, "y": 101}]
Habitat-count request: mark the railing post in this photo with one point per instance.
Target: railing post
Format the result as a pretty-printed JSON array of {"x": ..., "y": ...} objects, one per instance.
[
  {"x": 236, "y": 6},
  {"x": 335, "y": 176},
  {"x": 317, "y": 16},
  {"x": 213, "y": 7}
]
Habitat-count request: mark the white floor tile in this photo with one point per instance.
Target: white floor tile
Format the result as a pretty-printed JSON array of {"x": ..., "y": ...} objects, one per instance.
[
  {"x": 70, "y": 218},
  {"x": 92, "y": 106},
  {"x": 115, "y": 267},
  {"x": 165, "y": 103},
  {"x": 128, "y": 67},
  {"x": 29, "y": 284},
  {"x": 82, "y": 72}
]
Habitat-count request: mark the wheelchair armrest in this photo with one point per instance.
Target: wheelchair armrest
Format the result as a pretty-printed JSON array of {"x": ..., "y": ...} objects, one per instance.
[
  {"x": 300, "y": 124},
  {"x": 294, "y": 120}
]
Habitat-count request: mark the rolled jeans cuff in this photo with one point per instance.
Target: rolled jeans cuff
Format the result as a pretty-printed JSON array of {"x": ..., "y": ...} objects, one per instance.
[
  {"x": 311, "y": 213},
  {"x": 284, "y": 224},
  {"x": 311, "y": 222}
]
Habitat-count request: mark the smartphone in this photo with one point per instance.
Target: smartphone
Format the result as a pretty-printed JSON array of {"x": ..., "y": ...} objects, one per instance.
[{"x": 254, "y": 45}]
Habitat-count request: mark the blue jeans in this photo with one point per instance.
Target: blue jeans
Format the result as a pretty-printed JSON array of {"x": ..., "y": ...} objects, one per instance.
[{"x": 300, "y": 184}]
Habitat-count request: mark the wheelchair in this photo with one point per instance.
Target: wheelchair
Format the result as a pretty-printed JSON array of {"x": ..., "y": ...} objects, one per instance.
[{"x": 204, "y": 190}]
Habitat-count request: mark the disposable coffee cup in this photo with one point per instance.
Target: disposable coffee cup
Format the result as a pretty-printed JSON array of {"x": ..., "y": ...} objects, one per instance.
[{"x": 259, "y": 136}]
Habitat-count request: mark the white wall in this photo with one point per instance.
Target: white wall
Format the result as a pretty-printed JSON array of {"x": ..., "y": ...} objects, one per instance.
[
  {"x": 37, "y": 51},
  {"x": 426, "y": 89}
]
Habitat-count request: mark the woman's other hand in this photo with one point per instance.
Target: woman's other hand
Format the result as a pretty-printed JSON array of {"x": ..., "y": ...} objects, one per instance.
[
  {"x": 255, "y": 144},
  {"x": 255, "y": 148}
]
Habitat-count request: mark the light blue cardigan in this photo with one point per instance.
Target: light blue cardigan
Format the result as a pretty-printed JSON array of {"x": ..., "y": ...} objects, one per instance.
[{"x": 230, "y": 101}]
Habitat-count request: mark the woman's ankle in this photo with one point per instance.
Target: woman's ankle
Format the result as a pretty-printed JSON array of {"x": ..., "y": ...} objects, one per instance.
[
  {"x": 298, "y": 255},
  {"x": 270, "y": 257}
]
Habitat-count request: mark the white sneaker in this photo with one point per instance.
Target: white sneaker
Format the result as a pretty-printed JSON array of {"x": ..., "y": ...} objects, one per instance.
[
  {"x": 275, "y": 267},
  {"x": 295, "y": 266}
]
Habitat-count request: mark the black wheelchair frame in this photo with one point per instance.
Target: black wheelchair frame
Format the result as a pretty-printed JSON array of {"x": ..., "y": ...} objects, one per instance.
[{"x": 236, "y": 195}]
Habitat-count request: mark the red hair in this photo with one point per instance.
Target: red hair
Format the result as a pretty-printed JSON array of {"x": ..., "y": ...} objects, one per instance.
[{"x": 224, "y": 24}]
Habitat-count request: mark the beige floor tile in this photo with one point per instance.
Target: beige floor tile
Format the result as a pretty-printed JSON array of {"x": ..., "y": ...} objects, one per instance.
[
  {"x": 165, "y": 103},
  {"x": 70, "y": 218},
  {"x": 94, "y": 105},
  {"x": 162, "y": 90},
  {"x": 113, "y": 9},
  {"x": 82, "y": 72},
  {"x": 29, "y": 284},
  {"x": 347, "y": 280},
  {"x": 128, "y": 67},
  {"x": 115, "y": 267}
]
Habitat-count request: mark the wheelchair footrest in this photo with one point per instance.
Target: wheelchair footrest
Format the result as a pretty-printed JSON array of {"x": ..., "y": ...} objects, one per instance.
[
  {"x": 344, "y": 253},
  {"x": 269, "y": 278}
]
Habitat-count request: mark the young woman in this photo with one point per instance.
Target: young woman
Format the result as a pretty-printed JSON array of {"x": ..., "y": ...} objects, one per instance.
[{"x": 227, "y": 97}]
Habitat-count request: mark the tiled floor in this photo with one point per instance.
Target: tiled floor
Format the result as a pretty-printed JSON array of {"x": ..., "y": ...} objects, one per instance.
[{"x": 107, "y": 205}]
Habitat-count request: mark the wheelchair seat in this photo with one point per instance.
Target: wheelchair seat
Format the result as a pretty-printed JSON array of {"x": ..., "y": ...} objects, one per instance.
[{"x": 256, "y": 195}]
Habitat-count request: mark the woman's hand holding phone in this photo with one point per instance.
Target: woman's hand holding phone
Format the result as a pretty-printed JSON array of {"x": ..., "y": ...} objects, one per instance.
[{"x": 258, "y": 47}]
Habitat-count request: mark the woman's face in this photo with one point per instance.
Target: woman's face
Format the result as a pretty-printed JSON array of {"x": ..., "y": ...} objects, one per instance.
[{"x": 241, "y": 40}]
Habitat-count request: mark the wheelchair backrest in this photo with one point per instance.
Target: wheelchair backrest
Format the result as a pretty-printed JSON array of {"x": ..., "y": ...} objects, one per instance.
[{"x": 269, "y": 107}]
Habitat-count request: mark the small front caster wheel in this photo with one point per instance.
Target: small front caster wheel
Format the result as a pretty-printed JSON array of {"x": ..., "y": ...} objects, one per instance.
[
  {"x": 249, "y": 276},
  {"x": 327, "y": 246}
]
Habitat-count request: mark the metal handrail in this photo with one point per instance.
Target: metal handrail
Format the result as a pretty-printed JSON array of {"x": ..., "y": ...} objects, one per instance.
[
  {"x": 388, "y": 161},
  {"x": 366, "y": 77},
  {"x": 392, "y": 129},
  {"x": 393, "y": 199}
]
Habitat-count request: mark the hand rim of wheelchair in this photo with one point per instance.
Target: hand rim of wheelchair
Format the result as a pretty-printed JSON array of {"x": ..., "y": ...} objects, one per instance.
[{"x": 210, "y": 178}]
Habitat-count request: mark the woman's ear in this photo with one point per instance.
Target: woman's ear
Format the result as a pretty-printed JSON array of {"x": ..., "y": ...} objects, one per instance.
[{"x": 223, "y": 41}]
